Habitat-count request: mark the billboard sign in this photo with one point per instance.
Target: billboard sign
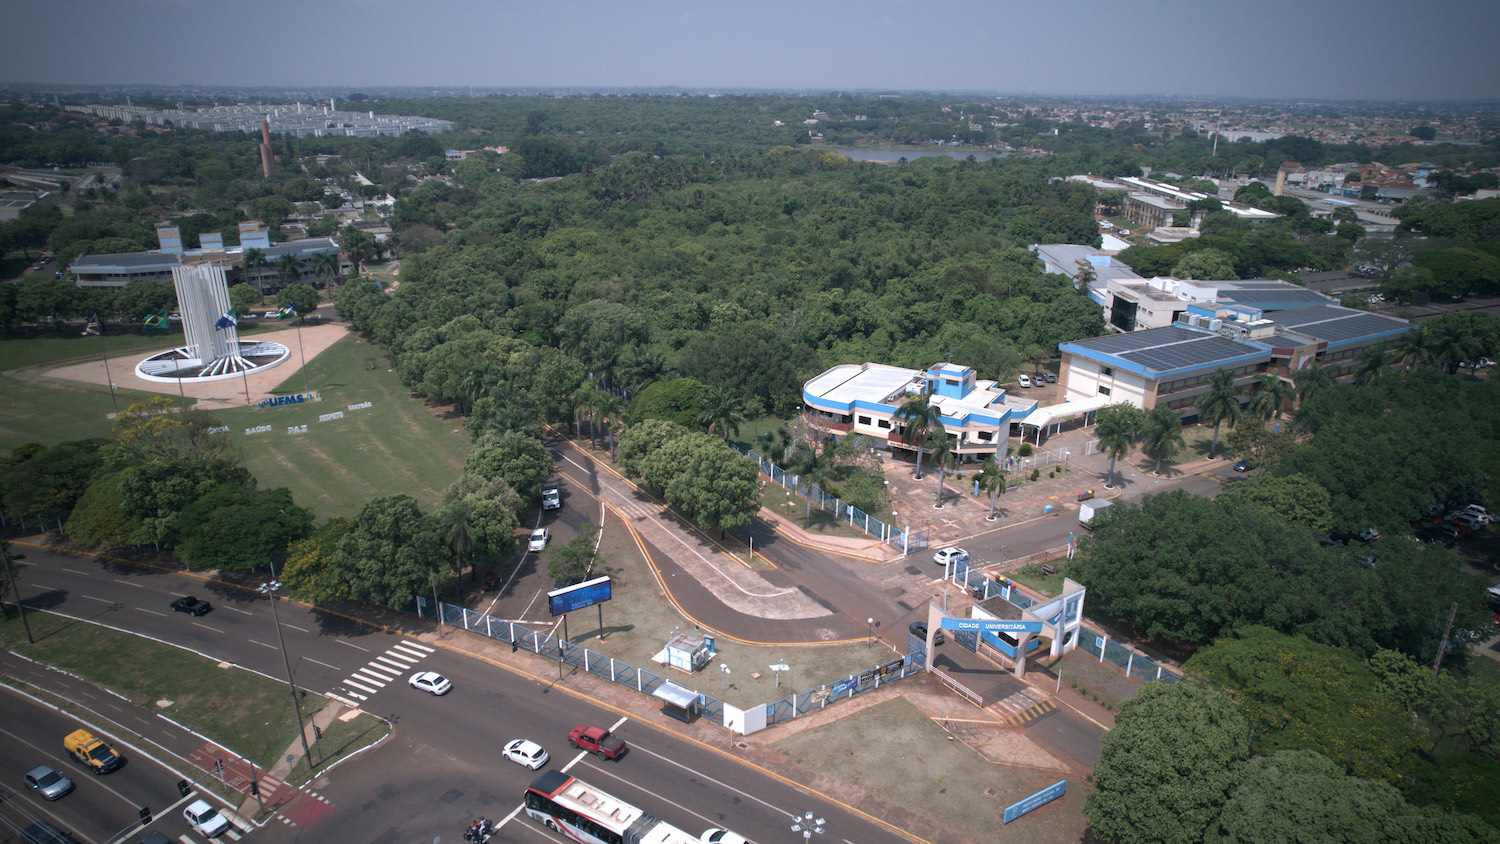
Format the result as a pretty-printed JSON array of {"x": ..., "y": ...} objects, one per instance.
[
  {"x": 578, "y": 596},
  {"x": 1041, "y": 798}
]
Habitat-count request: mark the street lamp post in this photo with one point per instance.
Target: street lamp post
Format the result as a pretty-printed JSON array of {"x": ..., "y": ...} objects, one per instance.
[
  {"x": 270, "y": 589},
  {"x": 870, "y": 629}
]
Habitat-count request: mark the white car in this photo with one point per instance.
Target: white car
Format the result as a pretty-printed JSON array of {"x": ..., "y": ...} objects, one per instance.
[
  {"x": 431, "y": 681},
  {"x": 1023, "y": 380},
  {"x": 272, "y": 314},
  {"x": 1369, "y": 534},
  {"x": 551, "y": 498},
  {"x": 723, "y": 836},
  {"x": 538, "y": 541},
  {"x": 205, "y": 819},
  {"x": 527, "y": 754},
  {"x": 950, "y": 556}
]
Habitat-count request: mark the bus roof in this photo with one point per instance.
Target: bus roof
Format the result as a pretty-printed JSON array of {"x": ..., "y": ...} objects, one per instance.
[{"x": 601, "y": 808}]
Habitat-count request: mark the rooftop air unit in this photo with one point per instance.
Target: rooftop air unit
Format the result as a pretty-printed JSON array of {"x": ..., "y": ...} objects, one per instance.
[{"x": 1215, "y": 324}]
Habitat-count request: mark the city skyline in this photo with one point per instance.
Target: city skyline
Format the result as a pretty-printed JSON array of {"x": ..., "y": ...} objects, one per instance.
[{"x": 1273, "y": 50}]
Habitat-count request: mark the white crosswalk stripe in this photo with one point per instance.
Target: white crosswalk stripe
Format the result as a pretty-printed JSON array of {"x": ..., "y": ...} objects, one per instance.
[{"x": 383, "y": 669}]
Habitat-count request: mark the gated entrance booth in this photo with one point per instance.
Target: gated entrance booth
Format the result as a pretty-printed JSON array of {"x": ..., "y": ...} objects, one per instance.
[{"x": 1007, "y": 633}]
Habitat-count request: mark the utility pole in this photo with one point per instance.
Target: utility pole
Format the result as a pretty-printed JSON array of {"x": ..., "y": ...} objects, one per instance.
[
  {"x": 1443, "y": 645},
  {"x": 10, "y": 575},
  {"x": 270, "y": 590}
]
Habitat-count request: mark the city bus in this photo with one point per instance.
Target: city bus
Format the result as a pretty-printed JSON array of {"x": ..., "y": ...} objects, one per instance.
[{"x": 583, "y": 813}]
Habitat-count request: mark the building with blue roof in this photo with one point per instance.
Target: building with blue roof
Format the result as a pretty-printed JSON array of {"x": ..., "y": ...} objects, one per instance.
[{"x": 862, "y": 399}]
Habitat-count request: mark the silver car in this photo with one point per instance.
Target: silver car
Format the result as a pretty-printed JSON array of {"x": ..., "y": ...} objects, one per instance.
[{"x": 47, "y": 782}]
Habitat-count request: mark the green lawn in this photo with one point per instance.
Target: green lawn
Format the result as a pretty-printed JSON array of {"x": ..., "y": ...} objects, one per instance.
[{"x": 398, "y": 445}]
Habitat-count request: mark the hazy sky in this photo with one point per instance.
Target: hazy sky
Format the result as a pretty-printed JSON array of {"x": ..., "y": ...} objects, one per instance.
[{"x": 1253, "y": 48}]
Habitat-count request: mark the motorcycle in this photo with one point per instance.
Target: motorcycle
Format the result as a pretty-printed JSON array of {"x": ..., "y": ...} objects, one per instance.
[{"x": 479, "y": 831}]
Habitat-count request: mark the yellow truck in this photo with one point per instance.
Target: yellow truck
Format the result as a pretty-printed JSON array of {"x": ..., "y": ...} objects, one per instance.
[{"x": 91, "y": 752}]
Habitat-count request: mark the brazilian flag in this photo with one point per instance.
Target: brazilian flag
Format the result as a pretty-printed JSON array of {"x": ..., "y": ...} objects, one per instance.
[{"x": 157, "y": 322}]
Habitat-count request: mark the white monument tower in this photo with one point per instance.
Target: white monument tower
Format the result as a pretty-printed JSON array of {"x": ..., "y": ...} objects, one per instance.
[{"x": 213, "y": 350}]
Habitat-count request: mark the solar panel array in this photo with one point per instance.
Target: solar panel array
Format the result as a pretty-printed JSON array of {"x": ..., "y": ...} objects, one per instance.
[
  {"x": 1336, "y": 324},
  {"x": 1171, "y": 348}
]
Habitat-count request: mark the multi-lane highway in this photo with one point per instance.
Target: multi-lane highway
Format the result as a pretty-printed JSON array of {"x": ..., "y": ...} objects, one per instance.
[{"x": 442, "y": 765}]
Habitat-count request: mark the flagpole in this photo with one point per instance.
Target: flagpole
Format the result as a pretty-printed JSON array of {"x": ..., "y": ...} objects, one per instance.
[{"x": 96, "y": 328}]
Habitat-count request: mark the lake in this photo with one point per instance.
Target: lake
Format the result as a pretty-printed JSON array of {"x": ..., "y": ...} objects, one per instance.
[{"x": 892, "y": 156}]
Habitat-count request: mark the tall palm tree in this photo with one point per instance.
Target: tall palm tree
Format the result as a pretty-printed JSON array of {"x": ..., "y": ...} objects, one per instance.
[
  {"x": 254, "y": 259},
  {"x": 1312, "y": 380},
  {"x": 918, "y": 417},
  {"x": 1116, "y": 427},
  {"x": 639, "y": 367},
  {"x": 1219, "y": 403},
  {"x": 1374, "y": 363},
  {"x": 721, "y": 413},
  {"x": 611, "y": 409},
  {"x": 573, "y": 334},
  {"x": 1451, "y": 346},
  {"x": 941, "y": 447},
  {"x": 1415, "y": 349},
  {"x": 1270, "y": 394},
  {"x": 1162, "y": 436},
  {"x": 809, "y": 466},
  {"x": 289, "y": 268},
  {"x": 992, "y": 480},
  {"x": 326, "y": 264},
  {"x": 458, "y": 533}
]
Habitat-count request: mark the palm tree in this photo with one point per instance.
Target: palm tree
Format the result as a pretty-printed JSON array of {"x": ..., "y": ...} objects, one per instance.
[
  {"x": 1311, "y": 380},
  {"x": 1219, "y": 403},
  {"x": 1451, "y": 346},
  {"x": 573, "y": 333},
  {"x": 289, "y": 268},
  {"x": 254, "y": 260},
  {"x": 1162, "y": 437},
  {"x": 611, "y": 408},
  {"x": 917, "y": 418},
  {"x": 941, "y": 447},
  {"x": 992, "y": 480},
  {"x": 1270, "y": 394},
  {"x": 458, "y": 533},
  {"x": 1116, "y": 427},
  {"x": 326, "y": 264},
  {"x": 721, "y": 413},
  {"x": 639, "y": 367},
  {"x": 1374, "y": 363},
  {"x": 513, "y": 416},
  {"x": 808, "y": 466},
  {"x": 1416, "y": 349}
]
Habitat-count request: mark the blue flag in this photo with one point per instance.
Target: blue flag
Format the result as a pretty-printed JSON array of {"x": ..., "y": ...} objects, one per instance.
[
  {"x": 93, "y": 328},
  {"x": 287, "y": 312},
  {"x": 226, "y": 321}
]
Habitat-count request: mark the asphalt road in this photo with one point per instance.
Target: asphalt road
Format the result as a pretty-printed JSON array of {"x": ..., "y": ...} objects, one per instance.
[
  {"x": 100, "y": 806},
  {"x": 443, "y": 764}
]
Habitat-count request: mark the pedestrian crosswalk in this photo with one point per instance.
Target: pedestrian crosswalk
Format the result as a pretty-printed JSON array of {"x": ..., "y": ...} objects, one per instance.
[
  {"x": 375, "y": 674},
  {"x": 1024, "y": 707}
]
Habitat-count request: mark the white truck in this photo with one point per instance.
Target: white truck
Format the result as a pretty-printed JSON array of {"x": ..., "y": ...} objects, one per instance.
[{"x": 1089, "y": 509}]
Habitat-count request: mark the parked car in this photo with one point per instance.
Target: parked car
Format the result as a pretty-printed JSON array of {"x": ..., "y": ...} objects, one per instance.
[
  {"x": 1452, "y": 533},
  {"x": 47, "y": 782},
  {"x": 527, "y": 754},
  {"x": 950, "y": 555},
  {"x": 538, "y": 541},
  {"x": 1369, "y": 535},
  {"x": 1467, "y": 520},
  {"x": 1242, "y": 465},
  {"x": 191, "y": 605},
  {"x": 919, "y": 629},
  {"x": 205, "y": 819},
  {"x": 1023, "y": 380},
  {"x": 431, "y": 681},
  {"x": 1040, "y": 378},
  {"x": 1051, "y": 377},
  {"x": 272, "y": 314}
]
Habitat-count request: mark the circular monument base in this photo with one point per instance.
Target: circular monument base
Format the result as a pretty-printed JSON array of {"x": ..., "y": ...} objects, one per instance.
[{"x": 179, "y": 365}]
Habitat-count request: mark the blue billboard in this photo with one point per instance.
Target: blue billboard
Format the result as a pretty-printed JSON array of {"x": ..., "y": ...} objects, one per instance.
[
  {"x": 585, "y": 594},
  {"x": 984, "y": 625},
  {"x": 1041, "y": 798}
]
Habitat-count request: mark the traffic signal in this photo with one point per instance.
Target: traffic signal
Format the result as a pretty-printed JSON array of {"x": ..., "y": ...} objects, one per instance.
[
  {"x": 182, "y": 787},
  {"x": 317, "y": 731},
  {"x": 145, "y": 815},
  {"x": 514, "y": 646},
  {"x": 254, "y": 788}
]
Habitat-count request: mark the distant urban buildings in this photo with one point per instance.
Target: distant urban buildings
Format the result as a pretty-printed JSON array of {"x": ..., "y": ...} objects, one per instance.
[{"x": 298, "y": 120}]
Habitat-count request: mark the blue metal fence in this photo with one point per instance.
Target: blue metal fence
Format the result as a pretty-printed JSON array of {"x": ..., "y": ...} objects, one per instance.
[{"x": 841, "y": 510}]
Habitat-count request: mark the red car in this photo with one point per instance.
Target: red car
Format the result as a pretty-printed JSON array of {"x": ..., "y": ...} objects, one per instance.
[{"x": 597, "y": 740}]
